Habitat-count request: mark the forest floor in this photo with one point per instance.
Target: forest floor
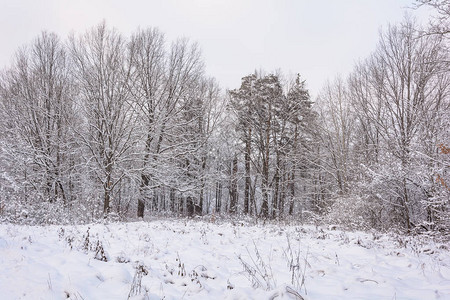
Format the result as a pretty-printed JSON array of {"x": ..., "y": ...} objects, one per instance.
[{"x": 192, "y": 259}]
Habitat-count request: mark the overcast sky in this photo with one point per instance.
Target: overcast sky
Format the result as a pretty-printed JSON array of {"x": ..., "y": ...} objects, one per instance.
[{"x": 316, "y": 38}]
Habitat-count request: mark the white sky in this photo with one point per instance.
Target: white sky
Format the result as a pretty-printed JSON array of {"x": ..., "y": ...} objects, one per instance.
[{"x": 316, "y": 38}]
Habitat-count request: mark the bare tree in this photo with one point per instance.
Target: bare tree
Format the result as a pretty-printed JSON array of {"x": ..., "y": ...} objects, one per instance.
[
  {"x": 404, "y": 75},
  {"x": 37, "y": 99},
  {"x": 103, "y": 74},
  {"x": 440, "y": 24},
  {"x": 399, "y": 96},
  {"x": 148, "y": 57},
  {"x": 337, "y": 120}
]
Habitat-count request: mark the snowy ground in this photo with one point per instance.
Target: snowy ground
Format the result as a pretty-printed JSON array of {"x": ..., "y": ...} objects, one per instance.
[{"x": 185, "y": 259}]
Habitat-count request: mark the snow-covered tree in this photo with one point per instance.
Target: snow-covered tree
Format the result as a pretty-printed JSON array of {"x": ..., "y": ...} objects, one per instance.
[{"x": 103, "y": 76}]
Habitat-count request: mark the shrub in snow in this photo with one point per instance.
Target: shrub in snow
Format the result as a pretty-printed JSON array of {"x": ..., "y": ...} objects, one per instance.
[
  {"x": 100, "y": 253},
  {"x": 122, "y": 258},
  {"x": 43, "y": 212},
  {"x": 258, "y": 272},
  {"x": 136, "y": 286},
  {"x": 349, "y": 212}
]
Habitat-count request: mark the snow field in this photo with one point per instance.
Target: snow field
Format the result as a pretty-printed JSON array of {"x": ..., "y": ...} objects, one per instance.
[{"x": 187, "y": 259}]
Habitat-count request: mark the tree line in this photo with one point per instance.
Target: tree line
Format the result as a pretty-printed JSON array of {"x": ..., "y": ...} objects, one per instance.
[{"x": 103, "y": 125}]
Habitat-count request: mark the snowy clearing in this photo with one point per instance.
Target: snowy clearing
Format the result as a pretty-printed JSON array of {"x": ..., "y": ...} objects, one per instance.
[{"x": 187, "y": 259}]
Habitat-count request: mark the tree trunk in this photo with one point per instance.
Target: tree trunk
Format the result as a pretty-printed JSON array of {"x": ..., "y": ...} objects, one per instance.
[
  {"x": 218, "y": 197},
  {"x": 233, "y": 188},
  {"x": 141, "y": 200},
  {"x": 247, "y": 173},
  {"x": 292, "y": 193}
]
